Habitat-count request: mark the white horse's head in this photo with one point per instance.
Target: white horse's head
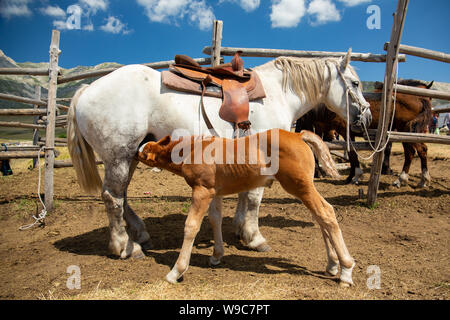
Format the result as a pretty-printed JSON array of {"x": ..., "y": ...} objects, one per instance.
[
  {"x": 345, "y": 95},
  {"x": 331, "y": 81}
]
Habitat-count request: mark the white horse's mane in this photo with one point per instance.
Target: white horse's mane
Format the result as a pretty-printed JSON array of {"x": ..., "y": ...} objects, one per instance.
[{"x": 306, "y": 76}]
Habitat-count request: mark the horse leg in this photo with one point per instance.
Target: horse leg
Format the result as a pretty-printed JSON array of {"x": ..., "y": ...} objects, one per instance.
[
  {"x": 333, "y": 260},
  {"x": 135, "y": 225},
  {"x": 246, "y": 220},
  {"x": 404, "y": 175},
  {"x": 201, "y": 198},
  {"x": 215, "y": 219},
  {"x": 386, "y": 168},
  {"x": 422, "y": 150},
  {"x": 324, "y": 214},
  {"x": 355, "y": 168},
  {"x": 113, "y": 194}
]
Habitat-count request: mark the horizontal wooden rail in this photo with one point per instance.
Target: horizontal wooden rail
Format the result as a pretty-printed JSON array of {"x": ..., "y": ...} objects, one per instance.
[
  {"x": 422, "y": 53},
  {"x": 24, "y": 71},
  {"x": 20, "y": 155},
  {"x": 15, "y": 124},
  {"x": 11, "y": 97},
  {"x": 67, "y": 164},
  {"x": 441, "y": 109},
  {"x": 272, "y": 53},
  {"x": 102, "y": 72},
  {"x": 342, "y": 145},
  {"x": 422, "y": 92},
  {"x": 19, "y": 148},
  {"x": 23, "y": 112},
  {"x": 62, "y": 140},
  {"x": 418, "y": 137}
]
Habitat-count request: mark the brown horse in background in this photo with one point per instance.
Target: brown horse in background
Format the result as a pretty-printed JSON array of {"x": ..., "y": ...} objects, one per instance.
[{"x": 412, "y": 114}]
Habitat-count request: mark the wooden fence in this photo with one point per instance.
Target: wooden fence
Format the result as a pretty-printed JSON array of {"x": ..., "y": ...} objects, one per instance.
[
  {"x": 393, "y": 48},
  {"x": 46, "y": 118}
]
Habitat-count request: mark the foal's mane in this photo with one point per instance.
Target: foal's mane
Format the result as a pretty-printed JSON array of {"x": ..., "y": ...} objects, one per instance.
[{"x": 306, "y": 75}]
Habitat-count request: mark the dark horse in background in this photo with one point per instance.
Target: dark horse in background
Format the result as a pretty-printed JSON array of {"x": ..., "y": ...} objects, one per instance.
[{"x": 412, "y": 114}]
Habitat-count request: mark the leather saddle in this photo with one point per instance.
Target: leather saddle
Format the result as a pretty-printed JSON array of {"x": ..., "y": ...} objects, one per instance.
[{"x": 237, "y": 86}]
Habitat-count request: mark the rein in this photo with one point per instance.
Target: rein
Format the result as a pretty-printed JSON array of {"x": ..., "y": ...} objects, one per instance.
[{"x": 377, "y": 148}]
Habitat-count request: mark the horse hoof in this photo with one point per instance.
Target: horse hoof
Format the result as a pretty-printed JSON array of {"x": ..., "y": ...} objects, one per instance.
[
  {"x": 173, "y": 277},
  {"x": 147, "y": 245},
  {"x": 138, "y": 255},
  {"x": 263, "y": 247},
  {"x": 213, "y": 261},
  {"x": 344, "y": 284}
]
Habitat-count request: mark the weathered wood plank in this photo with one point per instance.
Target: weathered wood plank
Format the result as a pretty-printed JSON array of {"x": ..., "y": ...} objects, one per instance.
[
  {"x": 387, "y": 109},
  {"x": 273, "y": 53},
  {"x": 422, "y": 53}
]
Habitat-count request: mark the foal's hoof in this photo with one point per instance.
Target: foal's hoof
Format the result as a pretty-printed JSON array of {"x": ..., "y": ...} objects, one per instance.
[
  {"x": 174, "y": 277},
  {"x": 263, "y": 247}
]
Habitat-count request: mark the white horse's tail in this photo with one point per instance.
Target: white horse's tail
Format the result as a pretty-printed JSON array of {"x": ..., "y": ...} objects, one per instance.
[
  {"x": 82, "y": 154},
  {"x": 321, "y": 152}
]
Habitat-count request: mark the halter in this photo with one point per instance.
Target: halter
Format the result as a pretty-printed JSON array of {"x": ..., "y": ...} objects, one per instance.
[{"x": 364, "y": 106}]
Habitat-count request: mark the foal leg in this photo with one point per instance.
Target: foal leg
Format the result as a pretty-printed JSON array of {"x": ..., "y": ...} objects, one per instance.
[
  {"x": 422, "y": 150},
  {"x": 135, "y": 225},
  {"x": 333, "y": 260},
  {"x": 404, "y": 175},
  {"x": 113, "y": 194},
  {"x": 246, "y": 220},
  {"x": 324, "y": 214},
  {"x": 215, "y": 219},
  {"x": 201, "y": 198}
]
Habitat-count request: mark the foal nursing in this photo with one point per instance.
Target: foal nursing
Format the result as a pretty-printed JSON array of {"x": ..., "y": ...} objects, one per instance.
[{"x": 215, "y": 167}]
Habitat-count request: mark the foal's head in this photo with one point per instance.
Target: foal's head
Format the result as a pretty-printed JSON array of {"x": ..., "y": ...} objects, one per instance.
[{"x": 154, "y": 154}]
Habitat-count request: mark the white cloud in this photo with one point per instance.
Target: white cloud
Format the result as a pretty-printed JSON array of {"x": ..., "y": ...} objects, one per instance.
[
  {"x": 287, "y": 13},
  {"x": 164, "y": 11},
  {"x": 247, "y": 5},
  {"x": 10, "y": 8},
  {"x": 95, "y": 5},
  {"x": 202, "y": 15},
  {"x": 171, "y": 11},
  {"x": 114, "y": 25},
  {"x": 352, "y": 3},
  {"x": 324, "y": 11},
  {"x": 53, "y": 11},
  {"x": 60, "y": 25}
]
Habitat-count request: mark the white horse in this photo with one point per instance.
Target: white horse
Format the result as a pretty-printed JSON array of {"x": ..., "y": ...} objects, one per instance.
[{"x": 118, "y": 112}]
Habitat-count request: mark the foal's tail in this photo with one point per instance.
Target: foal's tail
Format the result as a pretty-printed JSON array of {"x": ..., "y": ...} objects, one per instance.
[
  {"x": 82, "y": 154},
  {"x": 321, "y": 151}
]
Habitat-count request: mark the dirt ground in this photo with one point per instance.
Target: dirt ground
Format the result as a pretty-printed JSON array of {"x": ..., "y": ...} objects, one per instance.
[{"x": 406, "y": 236}]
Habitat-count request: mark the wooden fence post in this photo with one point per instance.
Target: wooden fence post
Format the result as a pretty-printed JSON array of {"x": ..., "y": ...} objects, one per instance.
[
  {"x": 386, "y": 99},
  {"x": 37, "y": 96},
  {"x": 216, "y": 42},
  {"x": 51, "y": 119}
]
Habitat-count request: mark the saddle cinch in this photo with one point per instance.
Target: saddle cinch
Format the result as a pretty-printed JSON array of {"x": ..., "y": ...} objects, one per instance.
[{"x": 237, "y": 86}]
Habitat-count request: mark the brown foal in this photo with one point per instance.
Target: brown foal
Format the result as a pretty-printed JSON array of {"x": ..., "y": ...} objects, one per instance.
[{"x": 215, "y": 167}]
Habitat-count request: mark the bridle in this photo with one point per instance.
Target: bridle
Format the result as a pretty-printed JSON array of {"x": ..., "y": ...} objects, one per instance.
[{"x": 364, "y": 106}]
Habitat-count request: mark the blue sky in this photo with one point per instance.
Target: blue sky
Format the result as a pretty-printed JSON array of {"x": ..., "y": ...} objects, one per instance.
[{"x": 139, "y": 31}]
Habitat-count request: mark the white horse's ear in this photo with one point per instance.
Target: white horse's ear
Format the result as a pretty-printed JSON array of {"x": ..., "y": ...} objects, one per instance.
[
  {"x": 164, "y": 141},
  {"x": 346, "y": 60}
]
